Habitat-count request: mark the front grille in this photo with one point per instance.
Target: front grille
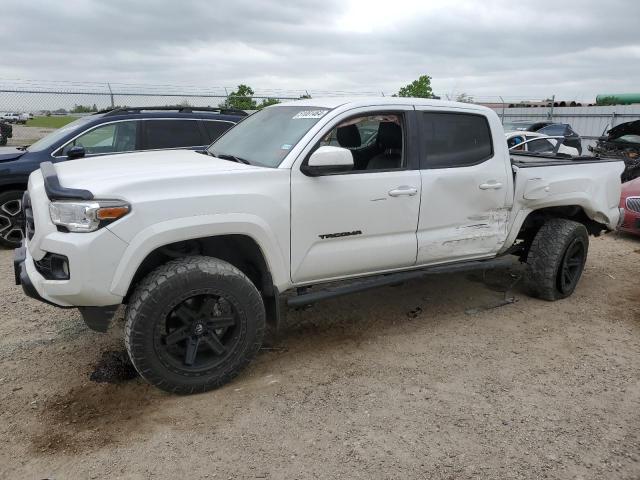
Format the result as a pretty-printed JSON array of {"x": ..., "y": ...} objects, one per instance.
[
  {"x": 633, "y": 204},
  {"x": 29, "y": 224}
]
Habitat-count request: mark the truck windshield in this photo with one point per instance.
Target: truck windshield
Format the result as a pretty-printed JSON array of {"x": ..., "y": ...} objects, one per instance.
[{"x": 266, "y": 137}]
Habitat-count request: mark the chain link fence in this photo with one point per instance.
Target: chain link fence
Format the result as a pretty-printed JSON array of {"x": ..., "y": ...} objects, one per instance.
[{"x": 46, "y": 105}]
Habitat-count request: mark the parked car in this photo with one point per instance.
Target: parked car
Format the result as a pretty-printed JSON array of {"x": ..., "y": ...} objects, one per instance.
[
  {"x": 206, "y": 248},
  {"x": 537, "y": 143},
  {"x": 572, "y": 139},
  {"x": 6, "y": 132},
  {"x": 630, "y": 201},
  {"x": 115, "y": 131},
  {"x": 13, "y": 117},
  {"x": 622, "y": 141}
]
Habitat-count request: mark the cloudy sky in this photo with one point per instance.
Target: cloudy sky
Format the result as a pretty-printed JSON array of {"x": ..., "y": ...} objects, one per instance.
[{"x": 573, "y": 49}]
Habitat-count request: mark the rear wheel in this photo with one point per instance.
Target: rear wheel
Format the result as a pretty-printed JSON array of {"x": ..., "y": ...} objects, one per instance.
[
  {"x": 556, "y": 259},
  {"x": 11, "y": 218},
  {"x": 193, "y": 324}
]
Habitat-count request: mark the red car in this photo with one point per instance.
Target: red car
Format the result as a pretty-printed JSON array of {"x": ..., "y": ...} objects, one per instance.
[{"x": 630, "y": 201}]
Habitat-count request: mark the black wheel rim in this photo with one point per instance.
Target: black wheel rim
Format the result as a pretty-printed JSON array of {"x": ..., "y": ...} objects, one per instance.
[
  {"x": 199, "y": 332},
  {"x": 12, "y": 221},
  {"x": 571, "y": 266}
]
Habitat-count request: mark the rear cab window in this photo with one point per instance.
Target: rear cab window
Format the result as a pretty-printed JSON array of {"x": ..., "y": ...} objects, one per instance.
[{"x": 451, "y": 140}]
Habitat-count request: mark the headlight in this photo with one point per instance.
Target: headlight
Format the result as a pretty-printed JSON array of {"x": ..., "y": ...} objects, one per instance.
[{"x": 86, "y": 216}]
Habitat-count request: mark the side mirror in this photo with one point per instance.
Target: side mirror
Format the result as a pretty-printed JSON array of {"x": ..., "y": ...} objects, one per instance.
[
  {"x": 327, "y": 160},
  {"x": 75, "y": 152}
]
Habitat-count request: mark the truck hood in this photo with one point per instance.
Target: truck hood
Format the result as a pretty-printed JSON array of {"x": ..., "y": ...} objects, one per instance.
[
  {"x": 10, "y": 153},
  {"x": 627, "y": 128},
  {"x": 114, "y": 175}
]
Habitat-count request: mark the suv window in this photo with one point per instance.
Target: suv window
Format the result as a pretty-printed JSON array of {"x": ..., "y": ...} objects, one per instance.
[
  {"x": 539, "y": 144},
  {"x": 108, "y": 138},
  {"x": 455, "y": 139},
  {"x": 375, "y": 141},
  {"x": 215, "y": 129},
  {"x": 172, "y": 134},
  {"x": 557, "y": 130}
]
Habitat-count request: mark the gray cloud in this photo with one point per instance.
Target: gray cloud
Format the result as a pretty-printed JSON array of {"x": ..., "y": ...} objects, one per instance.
[{"x": 573, "y": 49}]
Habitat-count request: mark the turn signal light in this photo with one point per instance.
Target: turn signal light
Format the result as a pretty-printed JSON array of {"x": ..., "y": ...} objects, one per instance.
[{"x": 111, "y": 213}]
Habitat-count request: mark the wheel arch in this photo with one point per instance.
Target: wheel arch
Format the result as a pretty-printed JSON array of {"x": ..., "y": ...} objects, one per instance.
[
  {"x": 526, "y": 227},
  {"x": 239, "y": 249}
]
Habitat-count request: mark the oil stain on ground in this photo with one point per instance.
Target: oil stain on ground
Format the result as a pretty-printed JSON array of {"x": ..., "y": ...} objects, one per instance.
[
  {"x": 92, "y": 415},
  {"x": 113, "y": 367}
]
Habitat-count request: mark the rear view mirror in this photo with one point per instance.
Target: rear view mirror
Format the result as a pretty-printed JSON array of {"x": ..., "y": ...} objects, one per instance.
[
  {"x": 75, "y": 152},
  {"x": 327, "y": 160}
]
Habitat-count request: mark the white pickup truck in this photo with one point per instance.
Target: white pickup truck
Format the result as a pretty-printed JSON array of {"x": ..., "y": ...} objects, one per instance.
[{"x": 299, "y": 202}]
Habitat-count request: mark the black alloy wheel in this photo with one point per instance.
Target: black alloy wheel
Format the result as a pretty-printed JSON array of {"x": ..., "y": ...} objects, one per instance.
[
  {"x": 571, "y": 266},
  {"x": 198, "y": 333}
]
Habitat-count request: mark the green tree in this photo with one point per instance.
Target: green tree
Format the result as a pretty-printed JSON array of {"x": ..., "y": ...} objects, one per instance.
[
  {"x": 83, "y": 109},
  {"x": 420, "y": 88},
  {"x": 268, "y": 101},
  {"x": 242, "y": 98}
]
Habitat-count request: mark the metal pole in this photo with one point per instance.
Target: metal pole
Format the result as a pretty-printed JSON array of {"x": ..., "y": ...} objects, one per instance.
[
  {"x": 502, "y": 116},
  {"x": 113, "y": 105},
  {"x": 550, "y": 114}
]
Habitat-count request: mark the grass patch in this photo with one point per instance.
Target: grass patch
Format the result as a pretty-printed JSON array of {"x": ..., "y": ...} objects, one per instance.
[{"x": 50, "y": 122}]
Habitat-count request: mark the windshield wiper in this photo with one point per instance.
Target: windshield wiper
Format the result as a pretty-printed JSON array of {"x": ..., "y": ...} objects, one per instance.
[{"x": 233, "y": 158}]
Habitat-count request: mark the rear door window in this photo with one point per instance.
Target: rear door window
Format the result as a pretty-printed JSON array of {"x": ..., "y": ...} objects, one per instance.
[
  {"x": 215, "y": 129},
  {"x": 455, "y": 140},
  {"x": 172, "y": 134}
]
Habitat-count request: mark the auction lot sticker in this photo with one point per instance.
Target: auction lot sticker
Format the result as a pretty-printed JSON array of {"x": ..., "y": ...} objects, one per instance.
[{"x": 309, "y": 114}]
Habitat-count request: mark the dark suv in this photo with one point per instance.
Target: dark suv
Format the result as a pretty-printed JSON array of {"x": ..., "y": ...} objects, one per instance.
[
  {"x": 104, "y": 133},
  {"x": 571, "y": 138}
]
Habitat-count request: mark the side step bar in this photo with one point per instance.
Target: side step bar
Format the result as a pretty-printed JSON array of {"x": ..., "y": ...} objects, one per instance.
[{"x": 391, "y": 278}]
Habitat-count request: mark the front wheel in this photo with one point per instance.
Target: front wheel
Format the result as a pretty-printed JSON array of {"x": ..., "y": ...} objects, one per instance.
[
  {"x": 193, "y": 324},
  {"x": 556, "y": 259},
  {"x": 11, "y": 218}
]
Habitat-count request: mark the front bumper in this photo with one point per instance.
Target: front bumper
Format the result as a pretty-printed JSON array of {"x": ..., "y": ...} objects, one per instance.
[
  {"x": 96, "y": 318},
  {"x": 21, "y": 276}
]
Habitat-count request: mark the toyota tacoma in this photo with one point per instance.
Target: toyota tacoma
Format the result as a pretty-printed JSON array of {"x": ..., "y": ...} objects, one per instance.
[{"x": 298, "y": 203}]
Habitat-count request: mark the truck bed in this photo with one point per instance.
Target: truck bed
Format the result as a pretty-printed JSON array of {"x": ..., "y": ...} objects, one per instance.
[{"x": 528, "y": 160}]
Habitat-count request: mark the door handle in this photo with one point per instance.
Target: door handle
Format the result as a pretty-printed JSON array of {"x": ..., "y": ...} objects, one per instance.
[
  {"x": 492, "y": 185},
  {"x": 404, "y": 190}
]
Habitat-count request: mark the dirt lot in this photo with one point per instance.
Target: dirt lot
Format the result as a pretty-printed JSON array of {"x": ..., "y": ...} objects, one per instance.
[{"x": 413, "y": 381}]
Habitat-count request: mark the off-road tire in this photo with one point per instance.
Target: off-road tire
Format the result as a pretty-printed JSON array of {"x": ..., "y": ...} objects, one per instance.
[
  {"x": 546, "y": 255},
  {"x": 12, "y": 218},
  {"x": 179, "y": 278}
]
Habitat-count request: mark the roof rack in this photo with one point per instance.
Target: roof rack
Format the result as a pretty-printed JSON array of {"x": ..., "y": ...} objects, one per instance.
[{"x": 178, "y": 108}]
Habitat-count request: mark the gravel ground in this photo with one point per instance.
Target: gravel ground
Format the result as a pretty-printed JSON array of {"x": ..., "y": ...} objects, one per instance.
[{"x": 421, "y": 380}]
